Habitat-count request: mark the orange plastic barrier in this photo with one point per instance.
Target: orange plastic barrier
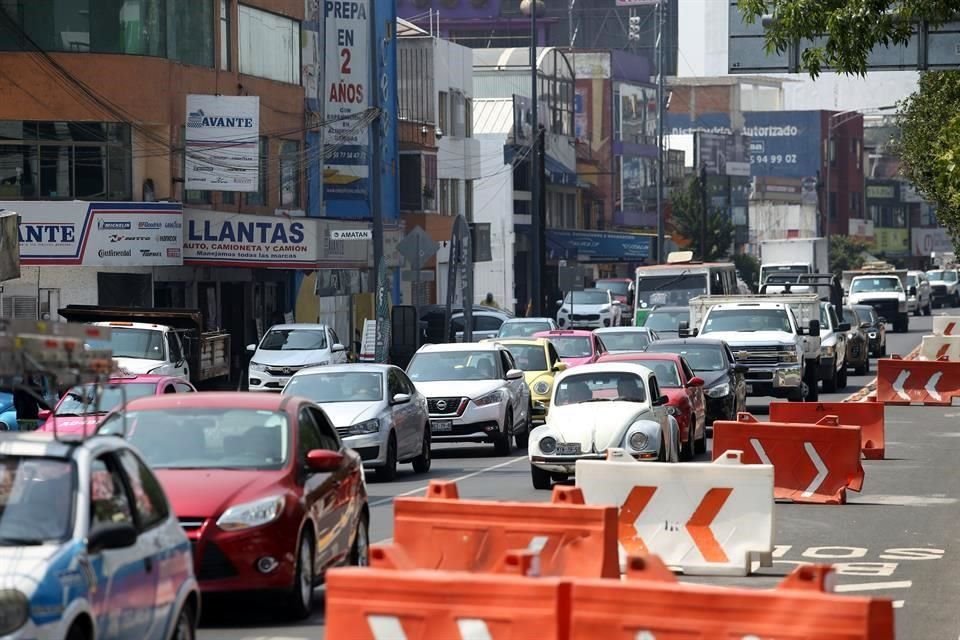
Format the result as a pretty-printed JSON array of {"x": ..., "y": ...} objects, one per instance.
[
  {"x": 867, "y": 415},
  {"x": 811, "y": 463},
  {"x": 650, "y": 604},
  {"x": 920, "y": 382},
  {"x": 444, "y": 532}
]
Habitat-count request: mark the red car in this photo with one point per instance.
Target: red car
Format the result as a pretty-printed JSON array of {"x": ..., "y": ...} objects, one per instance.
[
  {"x": 575, "y": 346},
  {"x": 267, "y": 493},
  {"x": 79, "y": 411},
  {"x": 684, "y": 391}
]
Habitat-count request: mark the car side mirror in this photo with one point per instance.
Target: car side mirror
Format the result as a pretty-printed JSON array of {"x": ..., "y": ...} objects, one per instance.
[
  {"x": 913, "y": 291},
  {"x": 560, "y": 366},
  {"x": 843, "y": 326},
  {"x": 514, "y": 374},
  {"x": 401, "y": 398},
  {"x": 251, "y": 348},
  {"x": 324, "y": 460},
  {"x": 44, "y": 414},
  {"x": 121, "y": 535},
  {"x": 683, "y": 329},
  {"x": 814, "y": 330},
  {"x": 337, "y": 348},
  {"x": 865, "y": 325},
  {"x": 695, "y": 381},
  {"x": 661, "y": 401}
]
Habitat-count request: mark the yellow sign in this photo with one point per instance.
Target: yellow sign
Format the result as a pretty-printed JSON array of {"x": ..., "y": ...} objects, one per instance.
[{"x": 891, "y": 241}]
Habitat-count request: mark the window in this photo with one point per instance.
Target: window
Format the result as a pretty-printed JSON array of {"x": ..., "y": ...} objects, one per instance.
[
  {"x": 308, "y": 435},
  {"x": 328, "y": 435},
  {"x": 183, "y": 387},
  {"x": 190, "y": 31},
  {"x": 109, "y": 503},
  {"x": 65, "y": 160},
  {"x": 480, "y": 242},
  {"x": 468, "y": 107},
  {"x": 443, "y": 204},
  {"x": 228, "y": 197},
  {"x": 459, "y": 110},
  {"x": 149, "y": 501},
  {"x": 176, "y": 354},
  {"x": 468, "y": 200},
  {"x": 259, "y": 197},
  {"x": 225, "y": 9},
  {"x": 394, "y": 384},
  {"x": 269, "y": 45},
  {"x": 289, "y": 173},
  {"x": 443, "y": 117}
]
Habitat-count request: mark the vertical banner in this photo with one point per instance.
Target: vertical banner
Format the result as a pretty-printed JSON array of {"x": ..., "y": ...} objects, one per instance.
[
  {"x": 581, "y": 117},
  {"x": 346, "y": 31},
  {"x": 222, "y": 151}
]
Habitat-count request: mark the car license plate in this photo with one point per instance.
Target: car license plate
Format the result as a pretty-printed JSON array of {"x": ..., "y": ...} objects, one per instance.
[
  {"x": 568, "y": 449},
  {"x": 749, "y": 388},
  {"x": 441, "y": 426}
]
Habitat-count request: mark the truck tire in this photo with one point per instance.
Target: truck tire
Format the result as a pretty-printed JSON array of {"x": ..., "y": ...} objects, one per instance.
[
  {"x": 813, "y": 391},
  {"x": 842, "y": 377}
]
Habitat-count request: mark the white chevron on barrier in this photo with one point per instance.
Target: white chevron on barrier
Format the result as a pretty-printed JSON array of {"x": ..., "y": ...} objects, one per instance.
[
  {"x": 946, "y": 325},
  {"x": 700, "y": 518},
  {"x": 390, "y": 628},
  {"x": 936, "y": 347}
]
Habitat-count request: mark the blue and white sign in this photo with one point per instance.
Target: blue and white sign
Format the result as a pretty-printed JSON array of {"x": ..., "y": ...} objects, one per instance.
[
  {"x": 222, "y": 151},
  {"x": 241, "y": 240}
]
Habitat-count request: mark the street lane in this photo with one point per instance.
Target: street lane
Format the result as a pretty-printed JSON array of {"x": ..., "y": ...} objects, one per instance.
[{"x": 896, "y": 539}]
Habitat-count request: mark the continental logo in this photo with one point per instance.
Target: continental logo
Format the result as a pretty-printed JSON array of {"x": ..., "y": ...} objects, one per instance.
[{"x": 114, "y": 253}]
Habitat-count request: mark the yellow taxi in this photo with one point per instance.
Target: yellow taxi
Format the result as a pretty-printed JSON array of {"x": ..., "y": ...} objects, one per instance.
[{"x": 539, "y": 361}]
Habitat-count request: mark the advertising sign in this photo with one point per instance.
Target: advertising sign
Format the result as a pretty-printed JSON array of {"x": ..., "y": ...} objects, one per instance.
[
  {"x": 9, "y": 247},
  {"x": 222, "y": 150},
  {"x": 890, "y": 242},
  {"x": 638, "y": 183},
  {"x": 99, "y": 234},
  {"x": 926, "y": 241},
  {"x": 638, "y": 114},
  {"x": 723, "y": 154},
  {"x": 346, "y": 173},
  {"x": 581, "y": 117},
  {"x": 861, "y": 228}
]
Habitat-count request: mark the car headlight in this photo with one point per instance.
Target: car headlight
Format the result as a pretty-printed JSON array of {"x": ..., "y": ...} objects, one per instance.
[
  {"x": 251, "y": 514},
  {"x": 548, "y": 445},
  {"x": 541, "y": 387},
  {"x": 719, "y": 391},
  {"x": 788, "y": 356},
  {"x": 491, "y": 398},
  {"x": 672, "y": 411},
  {"x": 365, "y": 427},
  {"x": 872, "y": 335},
  {"x": 256, "y": 366},
  {"x": 828, "y": 350},
  {"x": 14, "y": 610},
  {"x": 638, "y": 441}
]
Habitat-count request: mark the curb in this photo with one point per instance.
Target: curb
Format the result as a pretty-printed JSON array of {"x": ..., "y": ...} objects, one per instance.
[{"x": 868, "y": 391}]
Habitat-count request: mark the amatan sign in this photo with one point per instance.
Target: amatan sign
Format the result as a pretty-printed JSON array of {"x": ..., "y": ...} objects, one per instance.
[{"x": 222, "y": 150}]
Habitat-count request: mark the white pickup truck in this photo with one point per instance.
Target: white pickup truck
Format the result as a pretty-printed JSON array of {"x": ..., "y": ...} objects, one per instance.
[
  {"x": 776, "y": 337},
  {"x": 884, "y": 290}
]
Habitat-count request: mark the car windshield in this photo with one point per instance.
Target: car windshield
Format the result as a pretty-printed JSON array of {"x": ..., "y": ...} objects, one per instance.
[
  {"x": 625, "y": 340},
  {"x": 453, "y": 365},
  {"x": 746, "y": 320},
  {"x": 912, "y": 281},
  {"x": 528, "y": 357},
  {"x": 862, "y": 285},
  {"x": 199, "y": 438},
  {"x": 587, "y": 296},
  {"x": 824, "y": 317},
  {"x": 866, "y": 314},
  {"x": 667, "y": 321},
  {"x": 143, "y": 344},
  {"x": 294, "y": 340},
  {"x": 36, "y": 500},
  {"x": 850, "y": 315},
  {"x": 673, "y": 290},
  {"x": 572, "y": 346},
  {"x": 943, "y": 276},
  {"x": 666, "y": 371},
  {"x": 616, "y": 287},
  {"x": 341, "y": 386},
  {"x": 523, "y": 329},
  {"x": 700, "y": 357},
  {"x": 600, "y": 386},
  {"x": 82, "y": 400}
]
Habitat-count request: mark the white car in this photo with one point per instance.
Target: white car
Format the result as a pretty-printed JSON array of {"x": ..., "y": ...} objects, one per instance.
[
  {"x": 475, "y": 393},
  {"x": 626, "y": 339},
  {"x": 597, "y": 407},
  {"x": 588, "y": 309},
  {"x": 376, "y": 410},
  {"x": 525, "y": 327},
  {"x": 288, "y": 348}
]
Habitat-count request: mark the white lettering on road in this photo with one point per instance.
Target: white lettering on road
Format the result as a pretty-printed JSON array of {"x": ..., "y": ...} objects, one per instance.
[
  {"x": 867, "y": 569},
  {"x": 873, "y": 586},
  {"x": 840, "y": 553}
]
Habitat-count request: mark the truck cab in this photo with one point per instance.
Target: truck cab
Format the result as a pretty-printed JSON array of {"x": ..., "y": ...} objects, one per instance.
[
  {"x": 144, "y": 348},
  {"x": 886, "y": 292}
]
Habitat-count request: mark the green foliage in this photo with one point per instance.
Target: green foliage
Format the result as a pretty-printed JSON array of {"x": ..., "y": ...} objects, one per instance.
[
  {"x": 846, "y": 253},
  {"x": 687, "y": 220},
  {"x": 853, "y": 28},
  {"x": 930, "y": 144},
  {"x": 749, "y": 269}
]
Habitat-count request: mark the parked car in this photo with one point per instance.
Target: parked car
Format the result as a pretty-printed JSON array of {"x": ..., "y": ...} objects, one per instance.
[
  {"x": 540, "y": 362},
  {"x": 876, "y": 332},
  {"x": 919, "y": 294},
  {"x": 597, "y": 407},
  {"x": 622, "y": 291},
  {"x": 8, "y": 413},
  {"x": 684, "y": 390},
  {"x": 525, "y": 327},
  {"x": 287, "y": 348},
  {"x": 833, "y": 349},
  {"x": 376, "y": 410},
  {"x": 724, "y": 382},
  {"x": 575, "y": 347},
  {"x": 269, "y": 496},
  {"x": 475, "y": 393},
  {"x": 858, "y": 343},
  {"x": 665, "y": 321},
  {"x": 626, "y": 339},
  {"x": 89, "y": 547},
  {"x": 80, "y": 410},
  {"x": 588, "y": 309},
  {"x": 945, "y": 287}
]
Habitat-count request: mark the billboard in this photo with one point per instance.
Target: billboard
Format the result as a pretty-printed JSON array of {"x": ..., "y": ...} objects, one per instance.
[
  {"x": 9, "y": 247},
  {"x": 638, "y": 114},
  {"x": 638, "y": 183},
  {"x": 221, "y": 144},
  {"x": 347, "y": 46},
  {"x": 99, "y": 234},
  {"x": 891, "y": 242},
  {"x": 926, "y": 241},
  {"x": 722, "y": 154}
]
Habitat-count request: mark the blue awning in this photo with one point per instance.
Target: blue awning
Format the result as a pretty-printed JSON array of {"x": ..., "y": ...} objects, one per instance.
[{"x": 557, "y": 173}]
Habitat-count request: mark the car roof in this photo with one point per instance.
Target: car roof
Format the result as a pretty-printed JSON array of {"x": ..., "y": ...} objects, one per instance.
[
  {"x": 142, "y": 378},
  {"x": 255, "y": 401},
  {"x": 639, "y": 355},
  {"x": 539, "y": 342},
  {"x": 603, "y": 330},
  {"x": 605, "y": 367},
  {"x": 354, "y": 367},
  {"x": 299, "y": 325},
  {"x": 684, "y": 341},
  {"x": 454, "y": 347},
  {"x": 522, "y": 320},
  {"x": 672, "y": 308},
  {"x": 559, "y": 333},
  {"x": 35, "y": 443}
]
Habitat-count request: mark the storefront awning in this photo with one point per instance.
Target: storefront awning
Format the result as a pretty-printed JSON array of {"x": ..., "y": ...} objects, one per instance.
[{"x": 557, "y": 173}]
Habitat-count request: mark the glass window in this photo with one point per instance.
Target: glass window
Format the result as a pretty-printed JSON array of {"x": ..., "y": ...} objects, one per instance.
[
  {"x": 342, "y": 386},
  {"x": 36, "y": 499},
  {"x": 666, "y": 372},
  {"x": 588, "y": 296},
  {"x": 469, "y": 117},
  {"x": 82, "y": 400},
  {"x": 225, "y": 9},
  {"x": 484, "y": 322},
  {"x": 453, "y": 365},
  {"x": 109, "y": 503},
  {"x": 259, "y": 197},
  {"x": 529, "y": 357},
  {"x": 137, "y": 343},
  {"x": 190, "y": 31},
  {"x": 309, "y": 436},
  {"x": 289, "y": 173},
  {"x": 747, "y": 320},
  {"x": 600, "y": 386},
  {"x": 148, "y": 498},
  {"x": 444, "y": 115},
  {"x": 294, "y": 340},
  {"x": 572, "y": 346},
  {"x": 328, "y": 435},
  {"x": 269, "y": 45},
  {"x": 522, "y": 328},
  {"x": 173, "y": 344},
  {"x": 626, "y": 340}
]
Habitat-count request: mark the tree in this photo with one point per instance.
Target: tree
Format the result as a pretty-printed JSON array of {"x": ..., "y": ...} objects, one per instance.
[
  {"x": 852, "y": 28},
  {"x": 687, "y": 220},
  {"x": 846, "y": 254},
  {"x": 749, "y": 269}
]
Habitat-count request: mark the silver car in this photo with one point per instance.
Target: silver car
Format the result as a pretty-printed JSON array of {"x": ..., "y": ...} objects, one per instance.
[
  {"x": 377, "y": 412},
  {"x": 626, "y": 339}
]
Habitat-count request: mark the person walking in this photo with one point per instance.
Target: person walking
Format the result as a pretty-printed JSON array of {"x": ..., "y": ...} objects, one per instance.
[{"x": 489, "y": 302}]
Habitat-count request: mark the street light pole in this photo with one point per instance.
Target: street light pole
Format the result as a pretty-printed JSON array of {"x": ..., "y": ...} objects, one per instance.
[
  {"x": 536, "y": 224},
  {"x": 661, "y": 18}
]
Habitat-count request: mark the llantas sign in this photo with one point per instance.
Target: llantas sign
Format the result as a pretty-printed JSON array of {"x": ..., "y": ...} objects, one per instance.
[
  {"x": 351, "y": 234},
  {"x": 238, "y": 240}
]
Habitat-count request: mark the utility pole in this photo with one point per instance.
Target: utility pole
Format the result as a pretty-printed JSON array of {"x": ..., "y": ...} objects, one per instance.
[
  {"x": 536, "y": 175},
  {"x": 376, "y": 209},
  {"x": 661, "y": 99},
  {"x": 705, "y": 215}
]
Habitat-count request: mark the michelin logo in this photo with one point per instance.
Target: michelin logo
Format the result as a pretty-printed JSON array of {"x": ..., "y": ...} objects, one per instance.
[{"x": 112, "y": 225}]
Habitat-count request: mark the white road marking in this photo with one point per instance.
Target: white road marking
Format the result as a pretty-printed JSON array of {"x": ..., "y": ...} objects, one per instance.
[
  {"x": 474, "y": 474},
  {"x": 873, "y": 586},
  {"x": 898, "y": 604},
  {"x": 931, "y": 387},
  {"x": 821, "y": 470}
]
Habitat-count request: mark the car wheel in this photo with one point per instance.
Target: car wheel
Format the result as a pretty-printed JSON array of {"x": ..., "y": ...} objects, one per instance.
[
  {"x": 4, "y": 426},
  {"x": 360, "y": 551},
  {"x": 522, "y": 439},
  {"x": 421, "y": 464},
  {"x": 700, "y": 444},
  {"x": 662, "y": 454},
  {"x": 300, "y": 598},
  {"x": 956, "y": 299},
  {"x": 186, "y": 628},
  {"x": 388, "y": 472},
  {"x": 502, "y": 446},
  {"x": 686, "y": 451},
  {"x": 77, "y": 632},
  {"x": 842, "y": 378},
  {"x": 541, "y": 479}
]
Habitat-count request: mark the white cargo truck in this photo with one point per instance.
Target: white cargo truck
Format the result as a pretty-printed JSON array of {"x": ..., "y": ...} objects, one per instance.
[{"x": 793, "y": 257}]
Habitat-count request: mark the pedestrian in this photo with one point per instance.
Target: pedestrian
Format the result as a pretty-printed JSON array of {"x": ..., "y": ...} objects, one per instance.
[{"x": 489, "y": 302}]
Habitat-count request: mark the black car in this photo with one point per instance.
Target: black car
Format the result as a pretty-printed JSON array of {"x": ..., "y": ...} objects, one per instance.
[
  {"x": 666, "y": 320},
  {"x": 876, "y": 332},
  {"x": 723, "y": 378}
]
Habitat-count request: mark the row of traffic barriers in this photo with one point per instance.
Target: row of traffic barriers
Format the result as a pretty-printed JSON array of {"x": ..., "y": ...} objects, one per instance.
[
  {"x": 480, "y": 570},
  {"x": 933, "y": 379}
]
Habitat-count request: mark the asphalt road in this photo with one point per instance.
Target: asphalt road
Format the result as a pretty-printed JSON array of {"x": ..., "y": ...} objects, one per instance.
[{"x": 897, "y": 539}]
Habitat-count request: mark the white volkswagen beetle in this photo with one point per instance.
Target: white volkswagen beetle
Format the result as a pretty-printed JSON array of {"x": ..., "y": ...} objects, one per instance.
[{"x": 595, "y": 407}]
